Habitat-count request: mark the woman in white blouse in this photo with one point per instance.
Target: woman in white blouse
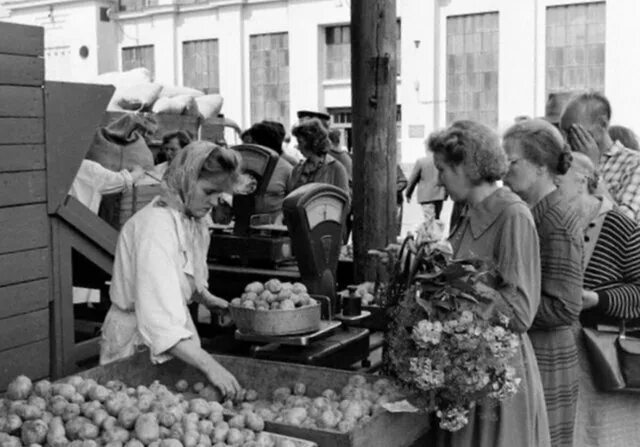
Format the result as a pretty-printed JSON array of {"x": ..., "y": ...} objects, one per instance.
[{"x": 160, "y": 266}]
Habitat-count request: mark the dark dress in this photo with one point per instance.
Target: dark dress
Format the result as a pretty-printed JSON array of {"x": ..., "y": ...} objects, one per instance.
[
  {"x": 561, "y": 251},
  {"x": 500, "y": 229}
]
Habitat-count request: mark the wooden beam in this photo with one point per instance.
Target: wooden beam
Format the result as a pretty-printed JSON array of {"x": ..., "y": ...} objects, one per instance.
[
  {"x": 24, "y": 329},
  {"x": 21, "y": 101},
  {"x": 21, "y": 70},
  {"x": 21, "y": 39},
  {"x": 24, "y": 266},
  {"x": 21, "y": 157},
  {"x": 24, "y": 297},
  {"x": 373, "y": 92},
  {"x": 17, "y": 188},
  {"x": 24, "y": 228},
  {"x": 21, "y": 130},
  {"x": 31, "y": 360}
]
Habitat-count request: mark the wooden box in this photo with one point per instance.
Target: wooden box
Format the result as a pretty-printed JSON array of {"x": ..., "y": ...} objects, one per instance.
[{"x": 383, "y": 430}]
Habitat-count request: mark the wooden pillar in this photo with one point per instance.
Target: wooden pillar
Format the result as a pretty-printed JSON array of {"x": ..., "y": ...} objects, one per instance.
[{"x": 373, "y": 87}]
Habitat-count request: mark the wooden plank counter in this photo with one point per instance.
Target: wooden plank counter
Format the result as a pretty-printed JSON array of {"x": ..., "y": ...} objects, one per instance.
[{"x": 383, "y": 430}]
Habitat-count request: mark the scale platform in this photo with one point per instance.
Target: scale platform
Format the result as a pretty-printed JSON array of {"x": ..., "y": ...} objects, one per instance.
[{"x": 326, "y": 328}]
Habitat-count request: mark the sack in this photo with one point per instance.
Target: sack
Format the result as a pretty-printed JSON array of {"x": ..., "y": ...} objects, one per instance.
[
  {"x": 117, "y": 157},
  {"x": 178, "y": 105},
  {"x": 169, "y": 91},
  {"x": 136, "y": 97},
  {"x": 614, "y": 358},
  {"x": 209, "y": 105}
]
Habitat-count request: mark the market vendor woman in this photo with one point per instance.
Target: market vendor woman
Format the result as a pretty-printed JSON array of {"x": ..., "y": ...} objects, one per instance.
[{"x": 160, "y": 266}]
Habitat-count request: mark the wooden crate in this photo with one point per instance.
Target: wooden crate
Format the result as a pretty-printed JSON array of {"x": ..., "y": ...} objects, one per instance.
[
  {"x": 24, "y": 225},
  {"x": 383, "y": 430}
]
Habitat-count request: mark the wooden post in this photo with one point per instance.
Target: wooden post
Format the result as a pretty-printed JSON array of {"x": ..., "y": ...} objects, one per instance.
[{"x": 373, "y": 87}]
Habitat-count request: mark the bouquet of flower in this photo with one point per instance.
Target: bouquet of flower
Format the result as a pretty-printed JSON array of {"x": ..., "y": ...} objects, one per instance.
[{"x": 449, "y": 341}]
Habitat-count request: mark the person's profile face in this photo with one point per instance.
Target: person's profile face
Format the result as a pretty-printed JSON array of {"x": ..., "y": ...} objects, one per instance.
[{"x": 171, "y": 148}]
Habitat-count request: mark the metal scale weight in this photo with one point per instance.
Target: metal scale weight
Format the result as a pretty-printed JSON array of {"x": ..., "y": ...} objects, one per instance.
[{"x": 314, "y": 215}]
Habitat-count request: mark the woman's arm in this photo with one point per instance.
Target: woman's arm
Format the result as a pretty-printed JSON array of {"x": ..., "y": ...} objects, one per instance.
[
  {"x": 190, "y": 352},
  {"x": 561, "y": 267}
]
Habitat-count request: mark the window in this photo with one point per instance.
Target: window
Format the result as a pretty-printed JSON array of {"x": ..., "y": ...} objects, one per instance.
[
  {"x": 575, "y": 47},
  {"x": 200, "y": 65},
  {"x": 136, "y": 57},
  {"x": 269, "y": 69},
  {"x": 338, "y": 51},
  {"x": 341, "y": 118},
  {"x": 472, "y": 68},
  {"x": 135, "y": 5}
]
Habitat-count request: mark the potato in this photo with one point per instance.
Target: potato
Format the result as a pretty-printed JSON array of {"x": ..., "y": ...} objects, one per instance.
[
  {"x": 236, "y": 302},
  {"x": 19, "y": 388},
  {"x": 115, "y": 385},
  {"x": 147, "y": 428},
  {"x": 70, "y": 412},
  {"x": 42, "y": 388},
  {"x": 99, "y": 393},
  {"x": 204, "y": 441},
  {"x": 88, "y": 409},
  {"x": 167, "y": 418},
  {"x": 182, "y": 385},
  {"x": 248, "y": 435},
  {"x": 109, "y": 423},
  {"x": 264, "y": 440},
  {"x": 144, "y": 402},
  {"x": 287, "y": 305},
  {"x": 299, "y": 288},
  {"x": 255, "y": 287},
  {"x": 65, "y": 390},
  {"x": 250, "y": 296},
  {"x": 56, "y": 434},
  {"x": 248, "y": 304},
  {"x": 295, "y": 416},
  {"x": 191, "y": 438},
  {"x": 357, "y": 380},
  {"x": 176, "y": 431},
  {"x": 115, "y": 434},
  {"x": 284, "y": 294},
  {"x": 220, "y": 432},
  {"x": 116, "y": 402},
  {"x": 170, "y": 443},
  {"x": 281, "y": 394},
  {"x": 234, "y": 437},
  {"x": 73, "y": 426},
  {"x": 346, "y": 425},
  {"x": 127, "y": 417},
  {"x": 216, "y": 416},
  {"x": 86, "y": 386},
  {"x": 237, "y": 421},
  {"x": 200, "y": 407},
  {"x": 26, "y": 411},
  {"x": 299, "y": 389},
  {"x": 134, "y": 443},
  {"x": 75, "y": 381},
  {"x": 34, "y": 432},
  {"x": 251, "y": 395},
  {"x": 99, "y": 416},
  {"x": 330, "y": 394},
  {"x": 198, "y": 386},
  {"x": 88, "y": 431},
  {"x": 254, "y": 422},
  {"x": 273, "y": 285}
]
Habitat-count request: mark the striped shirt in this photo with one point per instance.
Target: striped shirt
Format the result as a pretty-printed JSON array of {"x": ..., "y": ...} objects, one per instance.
[
  {"x": 561, "y": 251},
  {"x": 614, "y": 269},
  {"x": 620, "y": 169}
]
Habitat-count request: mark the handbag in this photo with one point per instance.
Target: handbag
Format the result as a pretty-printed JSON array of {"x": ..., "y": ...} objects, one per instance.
[{"x": 614, "y": 356}]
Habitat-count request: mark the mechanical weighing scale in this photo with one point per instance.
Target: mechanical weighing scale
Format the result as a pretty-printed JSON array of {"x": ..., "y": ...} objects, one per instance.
[
  {"x": 253, "y": 240},
  {"x": 315, "y": 215}
]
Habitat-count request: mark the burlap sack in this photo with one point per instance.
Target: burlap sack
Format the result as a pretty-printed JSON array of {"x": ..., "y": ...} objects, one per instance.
[
  {"x": 209, "y": 105},
  {"x": 136, "y": 97},
  {"x": 169, "y": 91},
  {"x": 177, "y": 105}
]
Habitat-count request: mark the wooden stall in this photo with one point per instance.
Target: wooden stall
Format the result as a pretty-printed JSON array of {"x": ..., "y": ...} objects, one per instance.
[{"x": 25, "y": 274}]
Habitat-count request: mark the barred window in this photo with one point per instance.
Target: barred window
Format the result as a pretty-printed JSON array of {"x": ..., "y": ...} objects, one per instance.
[
  {"x": 200, "y": 65},
  {"x": 472, "y": 68},
  {"x": 137, "y": 57}
]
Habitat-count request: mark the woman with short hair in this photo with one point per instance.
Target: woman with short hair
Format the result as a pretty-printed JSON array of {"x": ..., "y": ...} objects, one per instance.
[
  {"x": 497, "y": 227},
  {"x": 537, "y": 154},
  {"x": 611, "y": 294},
  {"x": 319, "y": 166}
]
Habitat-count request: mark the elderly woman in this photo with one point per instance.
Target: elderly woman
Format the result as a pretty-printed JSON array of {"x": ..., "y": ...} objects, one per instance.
[
  {"x": 160, "y": 266},
  {"x": 537, "y": 154},
  {"x": 499, "y": 228},
  {"x": 611, "y": 293},
  {"x": 319, "y": 166}
]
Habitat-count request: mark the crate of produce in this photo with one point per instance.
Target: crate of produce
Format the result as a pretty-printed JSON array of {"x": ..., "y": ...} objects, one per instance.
[
  {"x": 275, "y": 308},
  {"x": 382, "y": 428}
]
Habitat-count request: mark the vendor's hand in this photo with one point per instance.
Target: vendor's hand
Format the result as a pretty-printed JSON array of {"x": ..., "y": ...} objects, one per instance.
[
  {"x": 212, "y": 301},
  {"x": 582, "y": 141},
  {"x": 137, "y": 173},
  {"x": 223, "y": 380},
  {"x": 589, "y": 299}
]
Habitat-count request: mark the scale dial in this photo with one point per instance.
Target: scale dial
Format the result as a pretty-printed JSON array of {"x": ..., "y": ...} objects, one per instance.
[{"x": 322, "y": 209}]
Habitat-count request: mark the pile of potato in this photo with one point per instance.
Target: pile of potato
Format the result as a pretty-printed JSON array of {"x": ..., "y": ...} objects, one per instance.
[
  {"x": 83, "y": 413},
  {"x": 355, "y": 404},
  {"x": 366, "y": 291},
  {"x": 274, "y": 295}
]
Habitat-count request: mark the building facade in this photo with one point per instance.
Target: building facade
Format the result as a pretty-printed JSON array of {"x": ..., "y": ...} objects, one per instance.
[{"x": 489, "y": 60}]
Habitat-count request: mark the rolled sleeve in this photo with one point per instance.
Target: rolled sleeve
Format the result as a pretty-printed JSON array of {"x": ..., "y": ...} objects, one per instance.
[{"x": 160, "y": 306}]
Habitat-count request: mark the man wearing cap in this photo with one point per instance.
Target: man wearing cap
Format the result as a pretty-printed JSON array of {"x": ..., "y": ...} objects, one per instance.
[{"x": 585, "y": 122}]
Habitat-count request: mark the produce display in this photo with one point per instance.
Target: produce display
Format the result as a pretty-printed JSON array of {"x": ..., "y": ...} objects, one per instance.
[
  {"x": 340, "y": 411},
  {"x": 367, "y": 291},
  {"x": 83, "y": 413},
  {"x": 274, "y": 295}
]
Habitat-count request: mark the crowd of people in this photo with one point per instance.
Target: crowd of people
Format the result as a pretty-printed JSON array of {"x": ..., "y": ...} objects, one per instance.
[{"x": 554, "y": 204}]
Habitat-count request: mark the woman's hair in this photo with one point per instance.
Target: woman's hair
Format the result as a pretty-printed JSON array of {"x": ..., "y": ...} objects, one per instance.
[
  {"x": 314, "y": 134},
  {"x": 541, "y": 144},
  {"x": 222, "y": 160},
  {"x": 583, "y": 164},
  {"x": 182, "y": 136},
  {"x": 334, "y": 136},
  {"x": 474, "y": 146},
  {"x": 269, "y": 134},
  {"x": 625, "y": 135}
]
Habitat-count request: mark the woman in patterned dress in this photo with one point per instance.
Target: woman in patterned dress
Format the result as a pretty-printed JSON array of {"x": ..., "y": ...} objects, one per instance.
[
  {"x": 537, "y": 154},
  {"x": 499, "y": 228},
  {"x": 611, "y": 293}
]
